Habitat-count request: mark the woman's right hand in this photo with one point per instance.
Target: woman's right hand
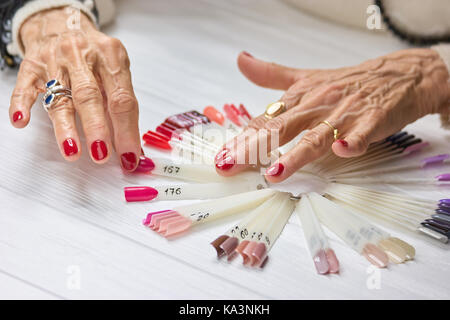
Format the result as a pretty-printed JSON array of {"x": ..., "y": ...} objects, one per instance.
[{"x": 96, "y": 68}]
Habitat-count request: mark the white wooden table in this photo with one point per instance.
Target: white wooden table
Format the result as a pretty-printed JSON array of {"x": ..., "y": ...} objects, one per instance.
[{"x": 62, "y": 222}]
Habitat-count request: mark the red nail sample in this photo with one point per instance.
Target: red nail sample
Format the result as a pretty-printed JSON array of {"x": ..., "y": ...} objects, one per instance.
[
  {"x": 99, "y": 150},
  {"x": 70, "y": 147},
  {"x": 145, "y": 164},
  {"x": 275, "y": 170},
  {"x": 343, "y": 143},
  {"x": 17, "y": 116},
  {"x": 128, "y": 160},
  {"x": 244, "y": 112},
  {"x": 133, "y": 194},
  {"x": 214, "y": 115},
  {"x": 156, "y": 141},
  {"x": 232, "y": 113}
]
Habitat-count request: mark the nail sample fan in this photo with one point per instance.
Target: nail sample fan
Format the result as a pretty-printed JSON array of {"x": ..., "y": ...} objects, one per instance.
[{"x": 352, "y": 212}]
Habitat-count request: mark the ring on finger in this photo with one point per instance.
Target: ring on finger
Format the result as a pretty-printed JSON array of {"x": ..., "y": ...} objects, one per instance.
[
  {"x": 274, "y": 109},
  {"x": 54, "y": 92},
  {"x": 335, "y": 130}
]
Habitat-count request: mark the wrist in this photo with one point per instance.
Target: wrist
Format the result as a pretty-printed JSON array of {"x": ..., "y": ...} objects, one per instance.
[{"x": 53, "y": 22}]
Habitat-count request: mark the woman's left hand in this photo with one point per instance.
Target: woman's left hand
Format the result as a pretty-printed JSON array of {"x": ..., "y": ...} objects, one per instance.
[{"x": 366, "y": 103}]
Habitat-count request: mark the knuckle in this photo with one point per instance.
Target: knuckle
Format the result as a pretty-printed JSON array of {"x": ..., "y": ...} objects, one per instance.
[
  {"x": 66, "y": 46},
  {"x": 258, "y": 122},
  {"x": 313, "y": 140},
  {"x": 94, "y": 124},
  {"x": 112, "y": 43},
  {"x": 276, "y": 124},
  {"x": 122, "y": 102},
  {"x": 86, "y": 92}
]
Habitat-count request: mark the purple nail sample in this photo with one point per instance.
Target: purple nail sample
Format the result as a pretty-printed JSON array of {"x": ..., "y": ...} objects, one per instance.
[
  {"x": 445, "y": 201},
  {"x": 444, "y": 206},
  {"x": 443, "y": 177},
  {"x": 443, "y": 211},
  {"x": 436, "y": 159}
]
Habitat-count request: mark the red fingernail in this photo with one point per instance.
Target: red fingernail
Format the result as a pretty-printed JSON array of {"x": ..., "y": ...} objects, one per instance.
[
  {"x": 343, "y": 142},
  {"x": 99, "y": 150},
  {"x": 17, "y": 116},
  {"x": 247, "y": 54},
  {"x": 275, "y": 170},
  {"x": 70, "y": 147},
  {"x": 226, "y": 163},
  {"x": 222, "y": 153},
  {"x": 128, "y": 160}
]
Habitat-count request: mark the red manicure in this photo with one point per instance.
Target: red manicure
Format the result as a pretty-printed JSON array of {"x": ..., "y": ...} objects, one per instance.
[
  {"x": 128, "y": 160},
  {"x": 17, "y": 116},
  {"x": 70, "y": 147},
  {"x": 225, "y": 163},
  {"x": 99, "y": 150},
  {"x": 343, "y": 143},
  {"x": 275, "y": 170},
  {"x": 221, "y": 154}
]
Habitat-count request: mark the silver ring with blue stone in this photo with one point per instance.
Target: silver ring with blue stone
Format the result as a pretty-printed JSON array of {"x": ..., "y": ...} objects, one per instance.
[{"x": 55, "y": 91}]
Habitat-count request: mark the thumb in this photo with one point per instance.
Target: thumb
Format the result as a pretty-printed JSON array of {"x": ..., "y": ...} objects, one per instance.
[{"x": 266, "y": 74}]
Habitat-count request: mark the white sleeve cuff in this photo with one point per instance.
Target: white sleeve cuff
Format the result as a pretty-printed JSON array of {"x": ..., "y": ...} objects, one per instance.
[{"x": 32, "y": 7}]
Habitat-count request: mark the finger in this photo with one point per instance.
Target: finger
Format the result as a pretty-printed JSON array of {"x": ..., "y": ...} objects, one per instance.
[
  {"x": 313, "y": 145},
  {"x": 62, "y": 115},
  {"x": 243, "y": 149},
  {"x": 28, "y": 85},
  {"x": 88, "y": 102},
  {"x": 122, "y": 103},
  {"x": 266, "y": 74},
  {"x": 358, "y": 139}
]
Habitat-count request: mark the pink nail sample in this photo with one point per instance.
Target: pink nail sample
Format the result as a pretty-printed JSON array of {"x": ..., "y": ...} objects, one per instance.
[{"x": 133, "y": 194}]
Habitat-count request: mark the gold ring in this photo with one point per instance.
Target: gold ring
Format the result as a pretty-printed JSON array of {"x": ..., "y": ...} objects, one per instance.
[
  {"x": 275, "y": 109},
  {"x": 335, "y": 131}
]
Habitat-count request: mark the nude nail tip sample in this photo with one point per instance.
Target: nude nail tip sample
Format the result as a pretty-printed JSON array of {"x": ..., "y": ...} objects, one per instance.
[
  {"x": 229, "y": 246},
  {"x": 182, "y": 225},
  {"x": 395, "y": 252},
  {"x": 375, "y": 255},
  {"x": 163, "y": 225},
  {"x": 247, "y": 253},
  {"x": 333, "y": 262},
  {"x": 409, "y": 249},
  {"x": 259, "y": 253},
  {"x": 156, "y": 219},
  {"x": 241, "y": 246},
  {"x": 216, "y": 245},
  {"x": 321, "y": 262}
]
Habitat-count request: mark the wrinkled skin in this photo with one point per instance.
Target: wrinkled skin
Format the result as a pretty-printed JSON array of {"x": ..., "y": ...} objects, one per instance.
[
  {"x": 96, "y": 68},
  {"x": 367, "y": 103}
]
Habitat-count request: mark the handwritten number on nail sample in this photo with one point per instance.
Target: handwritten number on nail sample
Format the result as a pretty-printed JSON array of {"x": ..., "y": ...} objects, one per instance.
[
  {"x": 173, "y": 191},
  {"x": 171, "y": 169},
  {"x": 201, "y": 216}
]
